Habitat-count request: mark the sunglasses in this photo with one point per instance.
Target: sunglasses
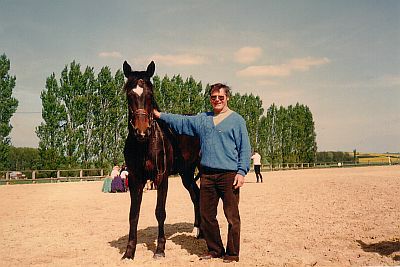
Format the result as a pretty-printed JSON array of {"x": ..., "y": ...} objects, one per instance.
[{"x": 220, "y": 97}]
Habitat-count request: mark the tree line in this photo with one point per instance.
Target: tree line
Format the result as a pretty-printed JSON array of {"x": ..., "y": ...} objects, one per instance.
[
  {"x": 8, "y": 106},
  {"x": 85, "y": 119}
]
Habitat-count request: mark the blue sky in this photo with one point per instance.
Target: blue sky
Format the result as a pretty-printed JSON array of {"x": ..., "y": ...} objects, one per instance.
[{"x": 340, "y": 58}]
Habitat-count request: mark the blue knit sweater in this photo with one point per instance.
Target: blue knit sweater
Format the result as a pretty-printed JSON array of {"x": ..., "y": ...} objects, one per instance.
[{"x": 225, "y": 146}]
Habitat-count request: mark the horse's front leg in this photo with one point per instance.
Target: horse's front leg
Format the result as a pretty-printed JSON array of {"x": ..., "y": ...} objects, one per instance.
[
  {"x": 136, "y": 193},
  {"x": 162, "y": 190}
]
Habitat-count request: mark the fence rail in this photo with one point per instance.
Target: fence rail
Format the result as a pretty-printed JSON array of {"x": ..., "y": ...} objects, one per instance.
[
  {"x": 320, "y": 165},
  {"x": 73, "y": 175},
  {"x": 50, "y": 176}
]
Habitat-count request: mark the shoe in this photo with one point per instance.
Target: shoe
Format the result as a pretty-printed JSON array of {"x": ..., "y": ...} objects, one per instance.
[
  {"x": 229, "y": 259},
  {"x": 209, "y": 256}
]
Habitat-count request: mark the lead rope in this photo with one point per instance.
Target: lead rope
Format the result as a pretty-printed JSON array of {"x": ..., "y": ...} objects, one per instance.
[{"x": 163, "y": 147}]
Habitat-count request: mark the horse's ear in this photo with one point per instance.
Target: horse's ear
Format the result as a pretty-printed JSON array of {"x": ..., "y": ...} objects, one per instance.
[
  {"x": 127, "y": 69},
  {"x": 150, "y": 69}
]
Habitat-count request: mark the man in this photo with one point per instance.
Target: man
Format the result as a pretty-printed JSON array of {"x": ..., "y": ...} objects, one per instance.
[
  {"x": 225, "y": 161},
  {"x": 257, "y": 165}
]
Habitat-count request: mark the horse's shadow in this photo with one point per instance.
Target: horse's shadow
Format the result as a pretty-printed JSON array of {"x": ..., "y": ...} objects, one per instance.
[
  {"x": 179, "y": 233},
  {"x": 384, "y": 248}
]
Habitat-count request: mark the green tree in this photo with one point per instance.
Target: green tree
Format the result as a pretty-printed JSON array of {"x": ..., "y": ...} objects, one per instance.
[
  {"x": 263, "y": 137},
  {"x": 310, "y": 152},
  {"x": 71, "y": 91},
  {"x": 23, "y": 158},
  {"x": 273, "y": 139},
  {"x": 250, "y": 108},
  {"x": 286, "y": 143},
  {"x": 52, "y": 132},
  {"x": 84, "y": 118},
  {"x": 303, "y": 134},
  {"x": 8, "y": 106},
  {"x": 178, "y": 96},
  {"x": 112, "y": 124}
]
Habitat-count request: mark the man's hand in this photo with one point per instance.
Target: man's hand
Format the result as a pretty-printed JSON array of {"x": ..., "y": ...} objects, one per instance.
[
  {"x": 239, "y": 181},
  {"x": 156, "y": 114}
]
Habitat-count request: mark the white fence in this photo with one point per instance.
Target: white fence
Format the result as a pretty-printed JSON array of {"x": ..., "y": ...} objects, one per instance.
[
  {"x": 295, "y": 166},
  {"x": 56, "y": 176},
  {"x": 50, "y": 176}
]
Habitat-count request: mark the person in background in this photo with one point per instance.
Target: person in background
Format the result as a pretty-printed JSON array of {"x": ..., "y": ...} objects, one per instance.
[
  {"x": 257, "y": 165},
  {"x": 108, "y": 180},
  {"x": 124, "y": 176},
  {"x": 117, "y": 185},
  {"x": 107, "y": 184},
  {"x": 115, "y": 171},
  {"x": 225, "y": 161}
]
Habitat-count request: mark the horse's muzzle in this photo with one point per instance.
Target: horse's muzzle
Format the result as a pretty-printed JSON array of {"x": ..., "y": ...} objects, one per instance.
[{"x": 141, "y": 135}]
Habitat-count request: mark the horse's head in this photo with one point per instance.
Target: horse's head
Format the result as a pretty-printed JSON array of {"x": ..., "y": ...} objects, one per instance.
[{"x": 139, "y": 92}]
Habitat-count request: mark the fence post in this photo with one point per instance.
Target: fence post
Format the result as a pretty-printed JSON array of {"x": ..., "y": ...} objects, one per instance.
[
  {"x": 7, "y": 175},
  {"x": 101, "y": 172},
  {"x": 80, "y": 173},
  {"x": 33, "y": 175},
  {"x": 58, "y": 174}
]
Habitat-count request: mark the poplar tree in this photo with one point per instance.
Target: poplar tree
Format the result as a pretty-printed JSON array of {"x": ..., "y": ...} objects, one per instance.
[
  {"x": 51, "y": 132},
  {"x": 310, "y": 152},
  {"x": 250, "y": 108},
  {"x": 8, "y": 106},
  {"x": 273, "y": 138},
  {"x": 178, "y": 96}
]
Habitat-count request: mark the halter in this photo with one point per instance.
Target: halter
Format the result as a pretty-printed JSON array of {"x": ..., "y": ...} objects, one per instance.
[
  {"x": 140, "y": 112},
  {"x": 163, "y": 168},
  {"x": 152, "y": 135}
]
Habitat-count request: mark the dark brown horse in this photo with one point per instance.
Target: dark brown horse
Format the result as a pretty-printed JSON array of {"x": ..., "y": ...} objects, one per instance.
[{"x": 153, "y": 151}]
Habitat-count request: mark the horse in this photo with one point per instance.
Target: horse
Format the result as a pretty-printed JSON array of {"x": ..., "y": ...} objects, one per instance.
[{"x": 153, "y": 151}]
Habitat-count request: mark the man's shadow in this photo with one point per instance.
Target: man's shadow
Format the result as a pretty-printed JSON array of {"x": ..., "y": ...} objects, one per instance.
[
  {"x": 385, "y": 248},
  {"x": 179, "y": 233}
]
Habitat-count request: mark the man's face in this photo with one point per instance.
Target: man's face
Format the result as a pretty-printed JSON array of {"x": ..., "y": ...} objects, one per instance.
[{"x": 219, "y": 100}]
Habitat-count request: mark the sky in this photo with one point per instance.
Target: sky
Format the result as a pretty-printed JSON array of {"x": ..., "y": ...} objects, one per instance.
[{"x": 340, "y": 58}]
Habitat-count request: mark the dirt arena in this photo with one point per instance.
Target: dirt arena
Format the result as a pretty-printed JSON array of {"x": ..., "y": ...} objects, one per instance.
[{"x": 320, "y": 217}]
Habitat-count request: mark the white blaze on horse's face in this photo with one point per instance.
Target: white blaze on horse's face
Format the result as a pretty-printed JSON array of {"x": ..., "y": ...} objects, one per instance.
[{"x": 138, "y": 90}]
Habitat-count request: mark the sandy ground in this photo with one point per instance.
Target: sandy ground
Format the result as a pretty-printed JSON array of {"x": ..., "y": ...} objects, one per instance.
[{"x": 329, "y": 217}]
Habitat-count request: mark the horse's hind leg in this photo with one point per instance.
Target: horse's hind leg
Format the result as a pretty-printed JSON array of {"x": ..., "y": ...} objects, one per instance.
[
  {"x": 189, "y": 183},
  {"x": 162, "y": 190},
  {"x": 136, "y": 193}
]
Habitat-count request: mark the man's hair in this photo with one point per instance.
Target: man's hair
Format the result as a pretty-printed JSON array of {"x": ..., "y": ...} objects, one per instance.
[{"x": 218, "y": 86}]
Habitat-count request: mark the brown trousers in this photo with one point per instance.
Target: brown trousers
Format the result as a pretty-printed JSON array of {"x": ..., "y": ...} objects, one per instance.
[{"x": 212, "y": 188}]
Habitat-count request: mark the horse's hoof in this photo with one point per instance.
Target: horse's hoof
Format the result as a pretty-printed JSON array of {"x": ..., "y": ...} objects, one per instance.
[
  {"x": 159, "y": 255},
  {"x": 200, "y": 236},
  {"x": 127, "y": 257},
  {"x": 198, "y": 233}
]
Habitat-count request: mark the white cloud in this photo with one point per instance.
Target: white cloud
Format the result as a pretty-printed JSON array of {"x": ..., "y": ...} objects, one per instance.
[
  {"x": 178, "y": 60},
  {"x": 282, "y": 70},
  {"x": 389, "y": 80},
  {"x": 304, "y": 64},
  {"x": 113, "y": 54},
  {"x": 266, "y": 82},
  {"x": 275, "y": 71},
  {"x": 384, "y": 81},
  {"x": 248, "y": 54}
]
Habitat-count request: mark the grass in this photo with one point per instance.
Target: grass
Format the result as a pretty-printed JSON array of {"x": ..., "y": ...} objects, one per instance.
[{"x": 378, "y": 157}]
